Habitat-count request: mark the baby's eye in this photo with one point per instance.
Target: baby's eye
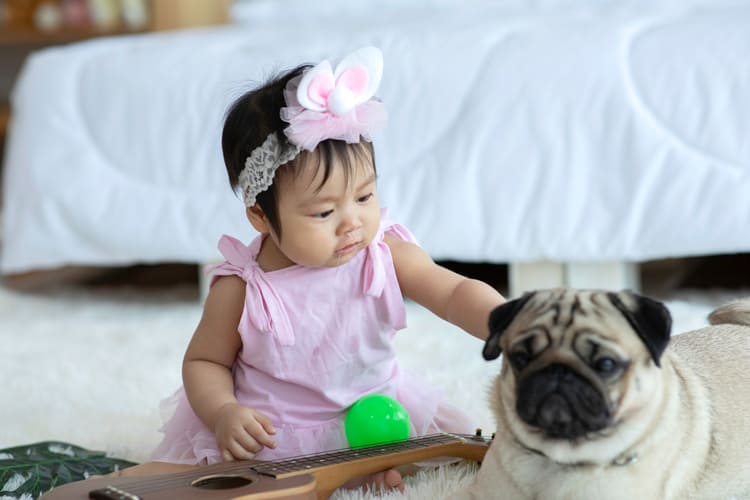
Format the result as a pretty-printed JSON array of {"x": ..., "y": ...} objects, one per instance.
[
  {"x": 365, "y": 198},
  {"x": 323, "y": 215}
]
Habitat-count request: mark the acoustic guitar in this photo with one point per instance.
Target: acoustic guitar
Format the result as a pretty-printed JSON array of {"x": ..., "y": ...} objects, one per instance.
[{"x": 298, "y": 478}]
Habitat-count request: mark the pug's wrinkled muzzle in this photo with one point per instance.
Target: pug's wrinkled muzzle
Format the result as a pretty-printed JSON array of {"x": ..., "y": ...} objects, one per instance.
[{"x": 561, "y": 403}]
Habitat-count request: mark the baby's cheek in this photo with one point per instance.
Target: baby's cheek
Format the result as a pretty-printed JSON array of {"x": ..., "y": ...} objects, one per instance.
[
  {"x": 372, "y": 228},
  {"x": 314, "y": 251}
]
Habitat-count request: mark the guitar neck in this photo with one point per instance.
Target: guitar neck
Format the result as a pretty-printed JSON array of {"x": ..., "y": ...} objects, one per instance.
[{"x": 332, "y": 469}]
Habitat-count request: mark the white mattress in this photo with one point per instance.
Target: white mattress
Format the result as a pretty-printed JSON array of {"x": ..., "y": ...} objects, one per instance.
[{"x": 604, "y": 131}]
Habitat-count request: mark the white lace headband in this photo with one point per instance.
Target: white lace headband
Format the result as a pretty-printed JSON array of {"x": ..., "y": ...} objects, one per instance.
[
  {"x": 321, "y": 104},
  {"x": 261, "y": 165}
]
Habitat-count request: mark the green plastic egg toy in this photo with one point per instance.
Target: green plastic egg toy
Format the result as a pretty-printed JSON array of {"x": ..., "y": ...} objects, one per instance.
[{"x": 376, "y": 419}]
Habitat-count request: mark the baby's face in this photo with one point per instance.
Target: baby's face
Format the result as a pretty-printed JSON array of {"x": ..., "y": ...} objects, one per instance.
[{"x": 327, "y": 227}]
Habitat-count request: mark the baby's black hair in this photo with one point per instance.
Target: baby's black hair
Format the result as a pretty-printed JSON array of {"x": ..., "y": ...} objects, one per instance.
[{"x": 254, "y": 116}]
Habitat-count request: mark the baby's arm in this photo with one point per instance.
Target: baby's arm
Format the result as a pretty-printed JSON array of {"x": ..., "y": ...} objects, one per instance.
[
  {"x": 207, "y": 374},
  {"x": 463, "y": 301}
]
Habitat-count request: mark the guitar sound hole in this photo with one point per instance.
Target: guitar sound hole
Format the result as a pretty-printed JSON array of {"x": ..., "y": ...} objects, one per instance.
[{"x": 221, "y": 482}]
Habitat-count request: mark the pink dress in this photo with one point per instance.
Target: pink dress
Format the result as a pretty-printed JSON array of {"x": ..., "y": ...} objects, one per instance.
[{"x": 314, "y": 340}]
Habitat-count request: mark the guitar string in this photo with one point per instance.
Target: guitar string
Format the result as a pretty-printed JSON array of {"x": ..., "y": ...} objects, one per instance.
[
  {"x": 179, "y": 479},
  {"x": 292, "y": 464}
]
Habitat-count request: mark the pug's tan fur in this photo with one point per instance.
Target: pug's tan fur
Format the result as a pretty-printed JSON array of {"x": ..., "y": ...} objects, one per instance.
[{"x": 672, "y": 424}]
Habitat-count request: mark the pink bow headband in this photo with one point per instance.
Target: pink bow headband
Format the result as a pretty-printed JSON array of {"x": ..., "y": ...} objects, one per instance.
[{"x": 321, "y": 104}]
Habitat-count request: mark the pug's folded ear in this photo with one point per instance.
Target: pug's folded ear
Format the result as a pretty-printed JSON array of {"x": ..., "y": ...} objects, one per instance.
[
  {"x": 500, "y": 318},
  {"x": 649, "y": 318}
]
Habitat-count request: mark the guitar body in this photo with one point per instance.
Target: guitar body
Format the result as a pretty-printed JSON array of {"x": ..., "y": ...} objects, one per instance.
[
  {"x": 298, "y": 478},
  {"x": 211, "y": 482}
]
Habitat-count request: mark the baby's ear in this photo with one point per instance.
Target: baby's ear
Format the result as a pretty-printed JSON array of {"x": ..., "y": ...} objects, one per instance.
[{"x": 258, "y": 219}]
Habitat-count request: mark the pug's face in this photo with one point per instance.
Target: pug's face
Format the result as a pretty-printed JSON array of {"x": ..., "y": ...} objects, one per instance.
[{"x": 579, "y": 367}]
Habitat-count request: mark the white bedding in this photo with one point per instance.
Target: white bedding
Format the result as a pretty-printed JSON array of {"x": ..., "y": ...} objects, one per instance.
[{"x": 566, "y": 131}]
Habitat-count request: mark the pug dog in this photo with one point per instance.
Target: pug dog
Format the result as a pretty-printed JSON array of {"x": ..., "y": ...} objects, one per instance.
[{"x": 594, "y": 401}]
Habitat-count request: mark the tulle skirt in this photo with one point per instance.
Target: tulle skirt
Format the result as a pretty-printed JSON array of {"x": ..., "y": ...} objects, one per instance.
[{"x": 187, "y": 440}]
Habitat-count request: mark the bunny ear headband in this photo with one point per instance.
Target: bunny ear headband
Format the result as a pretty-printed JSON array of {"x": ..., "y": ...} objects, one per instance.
[{"x": 321, "y": 104}]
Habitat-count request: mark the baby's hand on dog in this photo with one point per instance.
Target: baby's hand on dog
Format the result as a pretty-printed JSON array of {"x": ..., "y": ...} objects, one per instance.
[{"x": 242, "y": 432}]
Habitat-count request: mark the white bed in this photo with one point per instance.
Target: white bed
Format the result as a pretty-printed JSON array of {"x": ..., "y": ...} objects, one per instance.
[{"x": 581, "y": 133}]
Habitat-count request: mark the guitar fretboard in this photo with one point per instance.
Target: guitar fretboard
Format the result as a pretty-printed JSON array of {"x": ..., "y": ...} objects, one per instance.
[{"x": 310, "y": 462}]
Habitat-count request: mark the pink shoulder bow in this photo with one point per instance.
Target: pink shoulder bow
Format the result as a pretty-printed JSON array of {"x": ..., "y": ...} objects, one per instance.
[
  {"x": 375, "y": 275},
  {"x": 264, "y": 309}
]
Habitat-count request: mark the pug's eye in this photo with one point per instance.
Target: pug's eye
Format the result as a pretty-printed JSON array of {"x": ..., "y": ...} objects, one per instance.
[
  {"x": 519, "y": 359},
  {"x": 605, "y": 366}
]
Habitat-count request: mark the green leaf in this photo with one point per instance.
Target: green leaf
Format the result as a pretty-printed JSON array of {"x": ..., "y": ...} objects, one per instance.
[{"x": 39, "y": 467}]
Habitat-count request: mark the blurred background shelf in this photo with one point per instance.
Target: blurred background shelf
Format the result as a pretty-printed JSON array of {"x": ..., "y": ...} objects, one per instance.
[
  {"x": 21, "y": 36},
  {"x": 61, "y": 21}
]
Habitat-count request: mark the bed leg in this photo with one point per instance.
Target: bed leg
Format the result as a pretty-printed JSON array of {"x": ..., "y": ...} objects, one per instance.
[
  {"x": 525, "y": 276},
  {"x": 610, "y": 275}
]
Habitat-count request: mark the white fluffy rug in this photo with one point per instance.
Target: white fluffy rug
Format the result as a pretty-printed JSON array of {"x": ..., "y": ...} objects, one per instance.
[{"x": 90, "y": 366}]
